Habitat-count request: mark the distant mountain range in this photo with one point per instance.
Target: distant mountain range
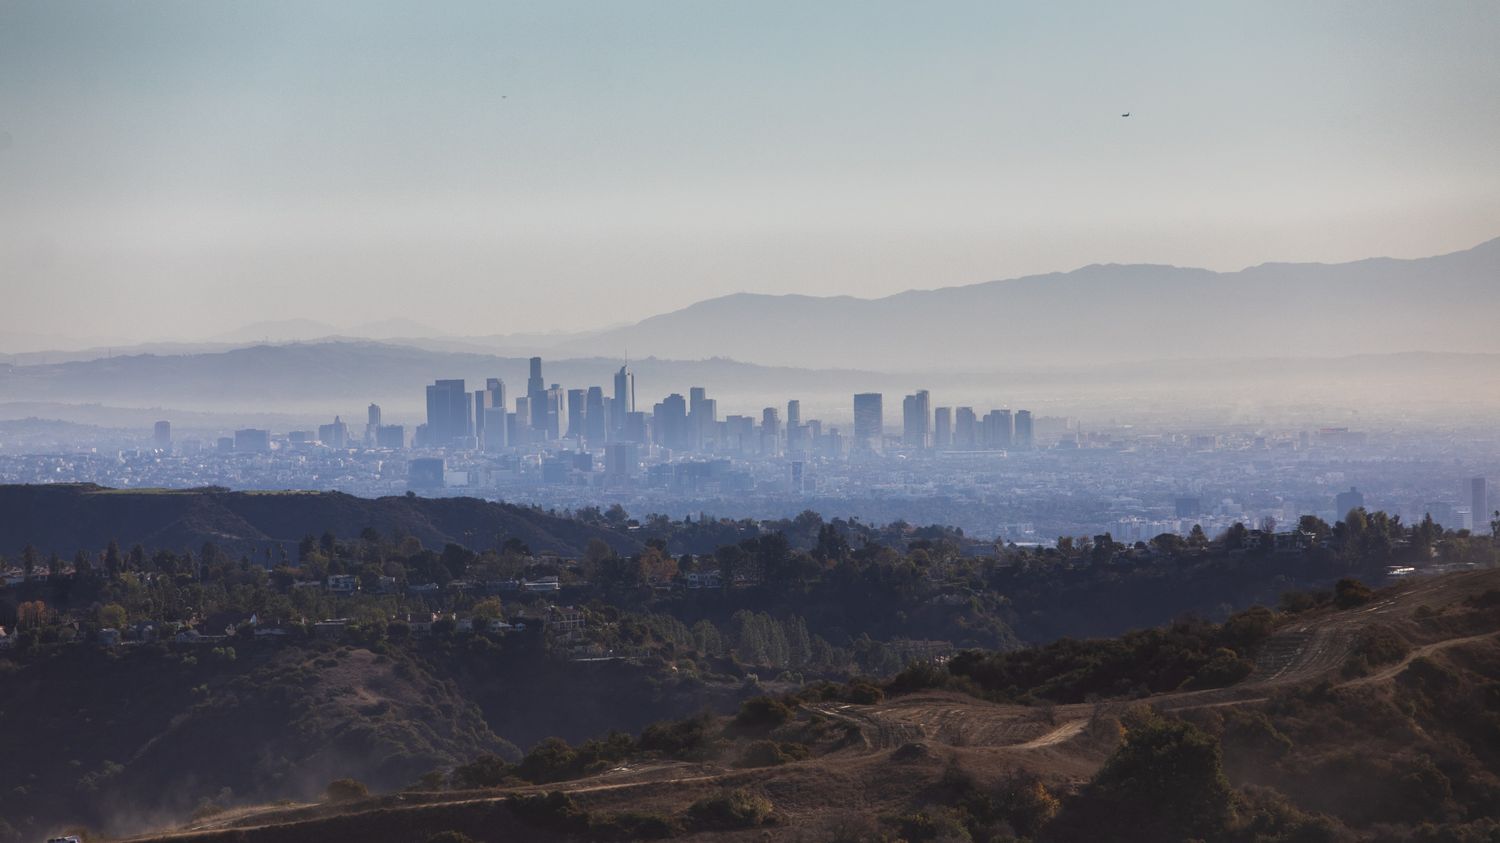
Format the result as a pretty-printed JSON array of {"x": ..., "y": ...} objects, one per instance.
[
  {"x": 1100, "y": 313},
  {"x": 1284, "y": 333},
  {"x": 342, "y": 376},
  {"x": 1090, "y": 316}
]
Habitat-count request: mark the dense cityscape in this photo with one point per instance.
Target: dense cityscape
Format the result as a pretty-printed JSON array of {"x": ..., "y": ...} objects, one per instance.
[{"x": 995, "y": 473}]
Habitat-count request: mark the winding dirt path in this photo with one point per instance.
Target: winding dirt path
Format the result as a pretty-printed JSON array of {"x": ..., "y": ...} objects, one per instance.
[{"x": 1426, "y": 649}]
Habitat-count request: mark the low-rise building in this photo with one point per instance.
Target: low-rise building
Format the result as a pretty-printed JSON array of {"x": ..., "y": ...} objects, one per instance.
[{"x": 343, "y": 583}]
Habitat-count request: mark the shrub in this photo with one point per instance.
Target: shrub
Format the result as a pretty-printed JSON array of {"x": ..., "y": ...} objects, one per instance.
[
  {"x": 863, "y": 693},
  {"x": 345, "y": 790},
  {"x": 762, "y": 714},
  {"x": 549, "y": 761},
  {"x": 1376, "y": 645},
  {"x": 1246, "y": 629},
  {"x": 762, "y": 753},
  {"x": 1349, "y": 592},
  {"x": 1026, "y": 803},
  {"x": 1269, "y": 816},
  {"x": 1225, "y": 667},
  {"x": 732, "y": 809},
  {"x": 484, "y": 771},
  {"x": 1165, "y": 782},
  {"x": 688, "y": 739},
  {"x": 918, "y": 676},
  {"x": 1293, "y": 602},
  {"x": 555, "y": 810},
  {"x": 766, "y": 753},
  {"x": 634, "y": 825},
  {"x": 1253, "y": 734},
  {"x": 941, "y": 825},
  {"x": 1429, "y": 677}
]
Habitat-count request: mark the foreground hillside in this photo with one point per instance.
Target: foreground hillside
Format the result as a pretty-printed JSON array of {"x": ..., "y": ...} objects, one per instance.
[
  {"x": 1368, "y": 717},
  {"x": 158, "y": 685},
  {"x": 139, "y": 738}
]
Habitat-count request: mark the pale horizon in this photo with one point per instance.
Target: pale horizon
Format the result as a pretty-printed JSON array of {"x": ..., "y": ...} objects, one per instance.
[{"x": 174, "y": 172}]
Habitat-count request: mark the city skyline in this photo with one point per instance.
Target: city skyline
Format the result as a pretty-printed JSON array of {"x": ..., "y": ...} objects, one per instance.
[{"x": 683, "y": 454}]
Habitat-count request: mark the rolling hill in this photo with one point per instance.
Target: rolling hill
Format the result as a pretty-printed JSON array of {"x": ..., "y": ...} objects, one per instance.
[
  {"x": 67, "y": 518},
  {"x": 1309, "y": 746}
]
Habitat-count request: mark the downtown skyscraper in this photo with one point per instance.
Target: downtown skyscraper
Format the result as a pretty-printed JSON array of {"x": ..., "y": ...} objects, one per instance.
[
  {"x": 916, "y": 420},
  {"x": 624, "y": 403},
  {"x": 449, "y": 413},
  {"x": 869, "y": 422}
]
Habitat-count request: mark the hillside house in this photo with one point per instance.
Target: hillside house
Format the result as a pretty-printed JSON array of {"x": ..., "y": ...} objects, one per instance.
[
  {"x": 703, "y": 579},
  {"x": 541, "y": 584},
  {"x": 331, "y": 628},
  {"x": 563, "y": 624},
  {"x": 343, "y": 583}
]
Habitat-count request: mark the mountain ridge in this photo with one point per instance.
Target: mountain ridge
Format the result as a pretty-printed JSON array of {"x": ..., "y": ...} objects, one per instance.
[
  {"x": 1099, "y": 312},
  {"x": 612, "y": 340}
]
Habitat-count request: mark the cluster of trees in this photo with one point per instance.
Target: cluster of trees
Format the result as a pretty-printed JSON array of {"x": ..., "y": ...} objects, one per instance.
[{"x": 803, "y": 594}]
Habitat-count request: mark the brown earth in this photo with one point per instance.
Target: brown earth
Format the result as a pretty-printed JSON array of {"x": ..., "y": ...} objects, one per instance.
[{"x": 903, "y": 745}]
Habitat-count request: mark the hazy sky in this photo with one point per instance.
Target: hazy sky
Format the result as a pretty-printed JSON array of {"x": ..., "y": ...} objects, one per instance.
[{"x": 181, "y": 168}]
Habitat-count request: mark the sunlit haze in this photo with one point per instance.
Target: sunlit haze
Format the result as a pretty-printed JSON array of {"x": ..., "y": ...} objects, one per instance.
[{"x": 177, "y": 170}]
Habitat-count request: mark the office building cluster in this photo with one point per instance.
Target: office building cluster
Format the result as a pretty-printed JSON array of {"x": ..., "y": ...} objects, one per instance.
[
  {"x": 593, "y": 419},
  {"x": 950, "y": 428},
  {"x": 483, "y": 420}
]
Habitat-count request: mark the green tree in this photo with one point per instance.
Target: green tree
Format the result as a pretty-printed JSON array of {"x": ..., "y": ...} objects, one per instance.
[
  {"x": 112, "y": 616},
  {"x": 1197, "y": 538},
  {"x": 1236, "y": 537},
  {"x": 762, "y": 714},
  {"x": 1166, "y": 782},
  {"x": 549, "y": 761},
  {"x": 730, "y": 558},
  {"x": 489, "y": 609}
]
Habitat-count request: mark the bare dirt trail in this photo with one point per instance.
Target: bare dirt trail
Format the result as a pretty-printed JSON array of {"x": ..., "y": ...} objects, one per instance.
[
  {"x": 1065, "y": 732},
  {"x": 1394, "y": 670},
  {"x": 272, "y": 816}
]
